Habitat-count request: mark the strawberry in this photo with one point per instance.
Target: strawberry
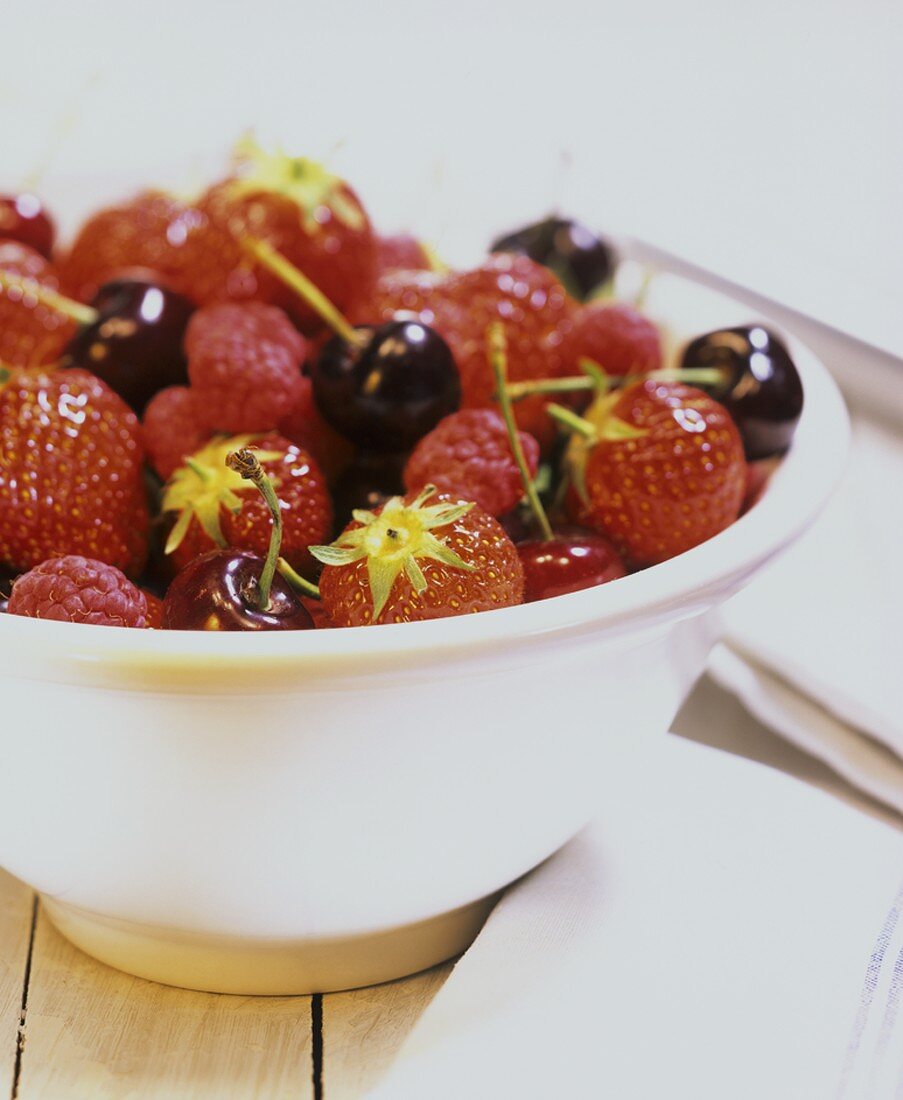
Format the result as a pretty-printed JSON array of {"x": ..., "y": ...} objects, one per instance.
[
  {"x": 614, "y": 336},
  {"x": 70, "y": 472},
  {"x": 411, "y": 560},
  {"x": 534, "y": 306},
  {"x": 468, "y": 456},
  {"x": 244, "y": 365},
  {"x": 171, "y": 429},
  {"x": 304, "y": 425},
  {"x": 212, "y": 505},
  {"x": 74, "y": 589},
  {"x": 156, "y": 232},
  {"x": 313, "y": 218},
  {"x": 658, "y": 467},
  {"x": 31, "y": 333}
]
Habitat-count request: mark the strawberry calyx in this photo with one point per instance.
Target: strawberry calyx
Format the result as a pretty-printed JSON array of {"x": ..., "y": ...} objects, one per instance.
[
  {"x": 597, "y": 425},
  {"x": 306, "y": 182},
  {"x": 204, "y": 485},
  {"x": 395, "y": 540}
]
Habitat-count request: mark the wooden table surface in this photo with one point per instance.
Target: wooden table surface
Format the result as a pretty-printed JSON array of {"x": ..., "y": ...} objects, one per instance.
[{"x": 74, "y": 1029}]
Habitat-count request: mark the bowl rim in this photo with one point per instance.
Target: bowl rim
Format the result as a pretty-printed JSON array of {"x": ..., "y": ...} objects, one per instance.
[{"x": 797, "y": 492}]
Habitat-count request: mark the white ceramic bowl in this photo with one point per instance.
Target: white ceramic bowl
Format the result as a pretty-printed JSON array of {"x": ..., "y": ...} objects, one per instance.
[{"x": 286, "y": 813}]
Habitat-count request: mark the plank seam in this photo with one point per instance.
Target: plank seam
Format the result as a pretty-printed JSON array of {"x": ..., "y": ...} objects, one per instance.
[{"x": 23, "y": 1007}]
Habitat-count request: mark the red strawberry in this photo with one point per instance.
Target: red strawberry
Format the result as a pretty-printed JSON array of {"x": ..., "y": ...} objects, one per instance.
[
  {"x": 70, "y": 472},
  {"x": 413, "y": 560},
  {"x": 244, "y": 365},
  {"x": 311, "y": 217},
  {"x": 614, "y": 336},
  {"x": 401, "y": 252},
  {"x": 214, "y": 506},
  {"x": 171, "y": 429},
  {"x": 662, "y": 471},
  {"x": 74, "y": 589},
  {"x": 304, "y": 425},
  {"x": 468, "y": 456},
  {"x": 156, "y": 232},
  {"x": 534, "y": 306},
  {"x": 154, "y": 610},
  {"x": 31, "y": 333}
]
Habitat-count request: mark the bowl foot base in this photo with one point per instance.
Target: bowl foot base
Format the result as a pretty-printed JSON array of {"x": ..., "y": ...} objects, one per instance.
[{"x": 273, "y": 967}]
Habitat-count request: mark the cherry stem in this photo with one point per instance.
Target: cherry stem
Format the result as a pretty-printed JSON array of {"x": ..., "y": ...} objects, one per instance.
[
  {"x": 59, "y": 303},
  {"x": 497, "y": 346},
  {"x": 296, "y": 580},
  {"x": 307, "y": 291},
  {"x": 571, "y": 420},
  {"x": 709, "y": 376},
  {"x": 246, "y": 463}
]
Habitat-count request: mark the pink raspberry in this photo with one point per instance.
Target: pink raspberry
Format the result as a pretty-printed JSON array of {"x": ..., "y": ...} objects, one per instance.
[
  {"x": 172, "y": 429},
  {"x": 79, "y": 590},
  {"x": 614, "y": 335},
  {"x": 244, "y": 365},
  {"x": 468, "y": 455}
]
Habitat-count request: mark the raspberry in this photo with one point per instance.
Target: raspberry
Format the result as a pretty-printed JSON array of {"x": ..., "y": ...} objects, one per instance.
[
  {"x": 468, "y": 455},
  {"x": 616, "y": 337},
  {"x": 244, "y": 366},
  {"x": 172, "y": 429},
  {"x": 74, "y": 589}
]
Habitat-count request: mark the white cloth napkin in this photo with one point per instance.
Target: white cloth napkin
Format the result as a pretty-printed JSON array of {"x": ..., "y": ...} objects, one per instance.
[
  {"x": 814, "y": 646},
  {"x": 722, "y": 931}
]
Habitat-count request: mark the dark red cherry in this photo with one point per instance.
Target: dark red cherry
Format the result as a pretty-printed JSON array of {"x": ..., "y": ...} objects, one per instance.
[
  {"x": 390, "y": 391},
  {"x": 23, "y": 218},
  {"x": 581, "y": 260},
  {"x": 760, "y": 386},
  {"x": 135, "y": 345},
  {"x": 218, "y": 591},
  {"x": 367, "y": 483},
  {"x": 571, "y": 561}
]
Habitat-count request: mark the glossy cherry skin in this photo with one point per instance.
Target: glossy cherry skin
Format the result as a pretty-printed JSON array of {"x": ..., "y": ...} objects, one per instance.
[
  {"x": 135, "y": 345},
  {"x": 581, "y": 260},
  {"x": 367, "y": 483},
  {"x": 23, "y": 218},
  {"x": 218, "y": 591},
  {"x": 390, "y": 392},
  {"x": 761, "y": 388},
  {"x": 571, "y": 561}
]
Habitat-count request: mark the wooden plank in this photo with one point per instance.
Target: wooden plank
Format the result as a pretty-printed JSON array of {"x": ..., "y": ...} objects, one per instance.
[
  {"x": 92, "y": 1031},
  {"x": 16, "y": 909},
  {"x": 364, "y": 1029}
]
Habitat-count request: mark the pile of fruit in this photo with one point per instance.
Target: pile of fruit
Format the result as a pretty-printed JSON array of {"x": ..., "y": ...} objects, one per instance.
[{"x": 253, "y": 412}]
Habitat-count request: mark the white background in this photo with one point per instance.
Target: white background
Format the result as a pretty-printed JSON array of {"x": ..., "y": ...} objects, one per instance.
[{"x": 764, "y": 140}]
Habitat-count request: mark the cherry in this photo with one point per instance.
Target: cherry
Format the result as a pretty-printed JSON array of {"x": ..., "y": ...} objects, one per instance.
[
  {"x": 760, "y": 385},
  {"x": 568, "y": 562},
  {"x": 235, "y": 589},
  {"x": 219, "y": 591},
  {"x": 581, "y": 260},
  {"x": 367, "y": 483},
  {"x": 135, "y": 342},
  {"x": 388, "y": 387},
  {"x": 23, "y": 218}
]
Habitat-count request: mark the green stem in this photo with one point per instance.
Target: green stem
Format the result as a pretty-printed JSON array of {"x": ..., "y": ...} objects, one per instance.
[
  {"x": 297, "y": 581},
  {"x": 59, "y": 303},
  {"x": 246, "y": 463},
  {"x": 498, "y": 358},
  {"x": 707, "y": 376},
  {"x": 307, "y": 291},
  {"x": 571, "y": 420}
]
